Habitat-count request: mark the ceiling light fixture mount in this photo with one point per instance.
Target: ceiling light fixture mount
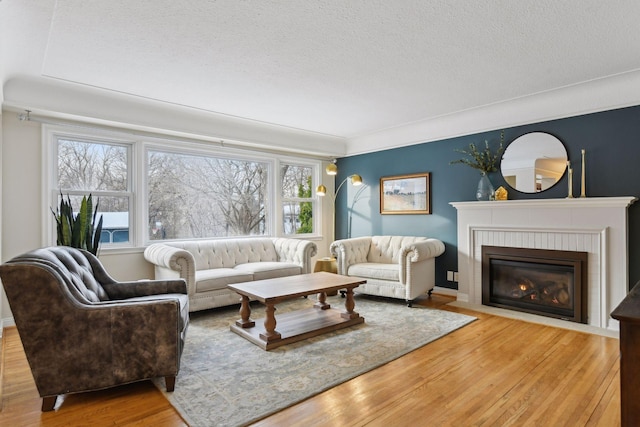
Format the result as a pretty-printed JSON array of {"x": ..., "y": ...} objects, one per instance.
[{"x": 25, "y": 117}]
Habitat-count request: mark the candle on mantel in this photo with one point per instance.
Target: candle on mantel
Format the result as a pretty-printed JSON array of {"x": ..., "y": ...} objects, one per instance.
[
  {"x": 583, "y": 181},
  {"x": 570, "y": 171}
]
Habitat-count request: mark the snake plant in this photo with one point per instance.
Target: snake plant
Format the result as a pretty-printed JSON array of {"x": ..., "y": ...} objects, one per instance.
[{"x": 78, "y": 230}]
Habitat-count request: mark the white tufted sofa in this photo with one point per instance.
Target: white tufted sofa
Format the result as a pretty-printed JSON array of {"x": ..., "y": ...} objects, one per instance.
[
  {"x": 209, "y": 266},
  {"x": 394, "y": 266}
]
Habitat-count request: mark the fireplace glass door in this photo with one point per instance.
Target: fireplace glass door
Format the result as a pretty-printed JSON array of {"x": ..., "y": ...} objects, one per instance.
[{"x": 549, "y": 283}]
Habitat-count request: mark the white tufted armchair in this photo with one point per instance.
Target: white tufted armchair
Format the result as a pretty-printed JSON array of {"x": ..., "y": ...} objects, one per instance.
[
  {"x": 394, "y": 266},
  {"x": 208, "y": 266}
]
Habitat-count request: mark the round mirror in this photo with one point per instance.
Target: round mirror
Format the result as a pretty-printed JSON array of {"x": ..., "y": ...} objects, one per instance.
[{"x": 534, "y": 162}]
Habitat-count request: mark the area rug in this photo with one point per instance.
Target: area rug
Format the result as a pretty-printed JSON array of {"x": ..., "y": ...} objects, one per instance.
[{"x": 225, "y": 380}]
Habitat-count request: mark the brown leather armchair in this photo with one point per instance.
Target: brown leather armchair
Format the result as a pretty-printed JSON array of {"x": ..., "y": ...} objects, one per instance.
[{"x": 82, "y": 330}]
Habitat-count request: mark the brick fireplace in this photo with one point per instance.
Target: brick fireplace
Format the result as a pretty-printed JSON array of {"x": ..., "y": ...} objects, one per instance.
[{"x": 595, "y": 226}]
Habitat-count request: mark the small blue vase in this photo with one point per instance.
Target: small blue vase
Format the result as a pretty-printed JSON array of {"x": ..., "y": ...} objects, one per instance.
[{"x": 485, "y": 190}]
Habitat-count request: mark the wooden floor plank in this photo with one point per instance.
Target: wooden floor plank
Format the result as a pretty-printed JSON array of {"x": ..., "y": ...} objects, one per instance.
[{"x": 493, "y": 372}]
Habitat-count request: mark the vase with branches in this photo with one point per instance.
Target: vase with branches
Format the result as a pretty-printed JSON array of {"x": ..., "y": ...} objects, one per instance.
[{"x": 486, "y": 161}]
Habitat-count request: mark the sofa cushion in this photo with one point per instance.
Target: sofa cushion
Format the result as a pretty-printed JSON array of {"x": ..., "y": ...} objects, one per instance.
[
  {"x": 372, "y": 270},
  {"x": 219, "y": 278},
  {"x": 269, "y": 270}
]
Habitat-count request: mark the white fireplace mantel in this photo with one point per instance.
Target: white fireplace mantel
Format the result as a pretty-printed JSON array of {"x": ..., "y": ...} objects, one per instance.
[{"x": 596, "y": 225}]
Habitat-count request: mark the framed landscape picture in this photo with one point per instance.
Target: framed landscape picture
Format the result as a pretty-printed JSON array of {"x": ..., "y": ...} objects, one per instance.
[{"x": 406, "y": 194}]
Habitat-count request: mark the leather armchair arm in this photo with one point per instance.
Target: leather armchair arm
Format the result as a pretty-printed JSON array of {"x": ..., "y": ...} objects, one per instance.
[
  {"x": 123, "y": 290},
  {"x": 154, "y": 326}
]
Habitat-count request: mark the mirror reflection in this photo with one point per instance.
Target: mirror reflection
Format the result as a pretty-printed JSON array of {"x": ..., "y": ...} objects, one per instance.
[{"x": 534, "y": 162}]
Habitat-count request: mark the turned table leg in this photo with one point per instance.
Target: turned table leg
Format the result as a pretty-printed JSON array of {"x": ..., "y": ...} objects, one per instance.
[
  {"x": 245, "y": 314},
  {"x": 349, "y": 305},
  {"x": 322, "y": 302},
  {"x": 270, "y": 333}
]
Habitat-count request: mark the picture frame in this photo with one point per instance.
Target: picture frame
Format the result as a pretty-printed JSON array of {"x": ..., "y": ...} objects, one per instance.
[{"x": 406, "y": 194}]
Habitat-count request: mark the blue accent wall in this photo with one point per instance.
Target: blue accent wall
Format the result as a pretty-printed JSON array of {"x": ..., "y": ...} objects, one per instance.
[{"x": 611, "y": 140}]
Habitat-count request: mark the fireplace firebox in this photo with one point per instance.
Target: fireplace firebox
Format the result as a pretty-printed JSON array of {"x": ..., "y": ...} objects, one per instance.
[{"x": 546, "y": 282}]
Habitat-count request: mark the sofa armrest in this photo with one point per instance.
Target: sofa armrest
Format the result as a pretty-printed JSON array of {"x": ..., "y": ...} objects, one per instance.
[
  {"x": 142, "y": 288},
  {"x": 421, "y": 250},
  {"x": 350, "y": 251},
  {"x": 296, "y": 251},
  {"x": 418, "y": 252},
  {"x": 174, "y": 259}
]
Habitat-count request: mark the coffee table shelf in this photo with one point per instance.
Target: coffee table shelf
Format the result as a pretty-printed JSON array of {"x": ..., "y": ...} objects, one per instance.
[
  {"x": 297, "y": 325},
  {"x": 274, "y": 331}
]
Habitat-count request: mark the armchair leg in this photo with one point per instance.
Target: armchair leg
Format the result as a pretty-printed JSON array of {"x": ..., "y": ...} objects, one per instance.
[
  {"x": 409, "y": 303},
  {"x": 170, "y": 382},
  {"x": 343, "y": 293},
  {"x": 430, "y": 290},
  {"x": 48, "y": 403}
]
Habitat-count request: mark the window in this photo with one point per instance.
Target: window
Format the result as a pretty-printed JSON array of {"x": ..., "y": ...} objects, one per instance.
[
  {"x": 151, "y": 189},
  {"x": 297, "y": 201},
  {"x": 194, "y": 196},
  {"x": 99, "y": 168}
]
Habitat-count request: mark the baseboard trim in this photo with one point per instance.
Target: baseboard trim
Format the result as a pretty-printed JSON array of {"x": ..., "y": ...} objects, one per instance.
[
  {"x": 445, "y": 291},
  {"x": 533, "y": 318},
  {"x": 462, "y": 297},
  {"x": 6, "y": 323}
]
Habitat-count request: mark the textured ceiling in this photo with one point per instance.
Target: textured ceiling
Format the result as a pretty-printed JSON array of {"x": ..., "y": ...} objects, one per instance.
[{"x": 342, "y": 68}]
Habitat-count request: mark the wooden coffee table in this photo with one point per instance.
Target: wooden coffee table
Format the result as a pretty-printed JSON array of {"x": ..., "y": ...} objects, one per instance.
[{"x": 296, "y": 325}]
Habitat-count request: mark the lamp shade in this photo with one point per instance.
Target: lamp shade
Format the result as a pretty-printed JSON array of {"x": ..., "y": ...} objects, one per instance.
[
  {"x": 356, "y": 179},
  {"x": 332, "y": 169},
  {"x": 321, "y": 190}
]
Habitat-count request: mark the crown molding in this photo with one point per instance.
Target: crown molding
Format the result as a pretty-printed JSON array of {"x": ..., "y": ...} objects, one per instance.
[
  {"x": 63, "y": 100},
  {"x": 609, "y": 93}
]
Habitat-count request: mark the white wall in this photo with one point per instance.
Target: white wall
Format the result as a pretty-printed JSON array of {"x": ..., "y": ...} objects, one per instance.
[
  {"x": 4, "y": 307},
  {"x": 22, "y": 206},
  {"x": 21, "y": 195}
]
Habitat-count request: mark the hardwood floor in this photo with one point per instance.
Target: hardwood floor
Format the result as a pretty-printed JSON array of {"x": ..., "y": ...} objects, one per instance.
[{"x": 493, "y": 372}]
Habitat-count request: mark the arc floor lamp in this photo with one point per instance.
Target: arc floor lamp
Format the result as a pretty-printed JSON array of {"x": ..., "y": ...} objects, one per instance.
[{"x": 321, "y": 190}]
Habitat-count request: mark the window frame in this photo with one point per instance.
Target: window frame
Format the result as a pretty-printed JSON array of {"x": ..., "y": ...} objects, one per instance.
[
  {"x": 315, "y": 203},
  {"x": 195, "y": 149},
  {"x": 51, "y": 136},
  {"x": 137, "y": 172}
]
